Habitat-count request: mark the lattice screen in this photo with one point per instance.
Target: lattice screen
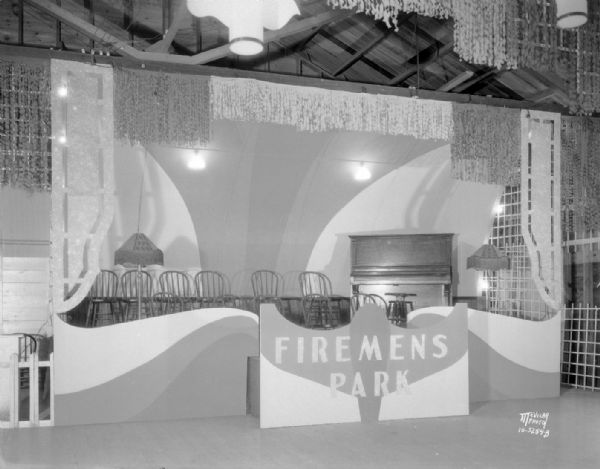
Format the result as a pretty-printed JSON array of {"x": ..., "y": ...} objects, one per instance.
[
  {"x": 512, "y": 292},
  {"x": 580, "y": 364}
]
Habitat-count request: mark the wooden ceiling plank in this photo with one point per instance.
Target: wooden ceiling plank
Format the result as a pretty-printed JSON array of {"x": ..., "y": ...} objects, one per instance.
[
  {"x": 35, "y": 54},
  {"x": 457, "y": 80},
  {"x": 211, "y": 55}
]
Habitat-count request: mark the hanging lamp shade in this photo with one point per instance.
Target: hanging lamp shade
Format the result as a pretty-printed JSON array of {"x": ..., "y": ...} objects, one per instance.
[
  {"x": 138, "y": 250},
  {"x": 571, "y": 13},
  {"x": 488, "y": 257},
  {"x": 246, "y": 19}
]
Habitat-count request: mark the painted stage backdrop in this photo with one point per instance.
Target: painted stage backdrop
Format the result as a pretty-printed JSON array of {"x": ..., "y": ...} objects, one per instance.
[
  {"x": 509, "y": 357},
  {"x": 366, "y": 371},
  {"x": 184, "y": 365}
]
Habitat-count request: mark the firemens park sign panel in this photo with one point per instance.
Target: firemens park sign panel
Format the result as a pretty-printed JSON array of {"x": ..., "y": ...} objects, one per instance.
[{"x": 369, "y": 370}]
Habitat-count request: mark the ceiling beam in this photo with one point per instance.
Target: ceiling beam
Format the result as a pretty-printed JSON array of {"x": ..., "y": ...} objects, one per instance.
[
  {"x": 457, "y": 80},
  {"x": 410, "y": 71},
  {"x": 163, "y": 45},
  {"x": 32, "y": 54},
  {"x": 473, "y": 81},
  {"x": 367, "y": 47},
  {"x": 350, "y": 50},
  {"x": 541, "y": 95},
  {"x": 359, "y": 54},
  {"x": 119, "y": 46}
]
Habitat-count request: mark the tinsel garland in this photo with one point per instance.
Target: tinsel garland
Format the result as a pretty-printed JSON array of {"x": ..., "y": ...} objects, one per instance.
[
  {"x": 580, "y": 174},
  {"x": 388, "y": 10},
  {"x": 487, "y": 145},
  {"x": 25, "y": 158},
  {"x": 319, "y": 110},
  {"x": 161, "y": 108}
]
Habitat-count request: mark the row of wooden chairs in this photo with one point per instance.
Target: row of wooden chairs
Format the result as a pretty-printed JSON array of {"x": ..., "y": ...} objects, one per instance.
[
  {"x": 178, "y": 291},
  {"x": 136, "y": 288}
]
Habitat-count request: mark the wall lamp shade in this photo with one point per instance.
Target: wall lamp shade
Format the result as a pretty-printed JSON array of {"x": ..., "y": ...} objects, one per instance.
[
  {"x": 488, "y": 257},
  {"x": 138, "y": 250},
  {"x": 246, "y": 19},
  {"x": 571, "y": 13}
]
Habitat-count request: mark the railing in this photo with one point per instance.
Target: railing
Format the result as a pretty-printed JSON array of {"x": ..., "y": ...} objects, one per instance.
[
  {"x": 31, "y": 400},
  {"x": 580, "y": 362}
]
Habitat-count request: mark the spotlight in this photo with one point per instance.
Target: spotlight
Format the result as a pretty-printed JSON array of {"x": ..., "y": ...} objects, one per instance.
[
  {"x": 196, "y": 161},
  {"x": 362, "y": 173}
]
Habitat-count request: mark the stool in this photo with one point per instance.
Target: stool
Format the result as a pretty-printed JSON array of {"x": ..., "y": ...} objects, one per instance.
[{"x": 398, "y": 308}]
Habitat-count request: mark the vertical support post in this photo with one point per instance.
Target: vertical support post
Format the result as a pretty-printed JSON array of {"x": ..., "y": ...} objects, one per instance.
[
  {"x": 14, "y": 391},
  {"x": 34, "y": 389},
  {"x": 51, "y": 371}
]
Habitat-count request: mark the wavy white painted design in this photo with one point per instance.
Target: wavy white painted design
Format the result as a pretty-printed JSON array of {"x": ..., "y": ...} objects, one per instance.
[
  {"x": 288, "y": 400},
  {"x": 441, "y": 394},
  {"x": 532, "y": 344},
  {"x": 88, "y": 357}
]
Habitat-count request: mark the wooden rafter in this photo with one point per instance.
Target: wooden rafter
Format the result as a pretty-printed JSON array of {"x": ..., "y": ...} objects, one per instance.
[
  {"x": 360, "y": 53},
  {"x": 410, "y": 71},
  {"x": 473, "y": 81},
  {"x": 352, "y": 52},
  {"x": 163, "y": 45},
  {"x": 457, "y": 80}
]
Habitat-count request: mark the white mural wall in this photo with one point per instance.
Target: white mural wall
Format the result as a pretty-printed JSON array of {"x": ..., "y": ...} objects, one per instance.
[{"x": 418, "y": 197}]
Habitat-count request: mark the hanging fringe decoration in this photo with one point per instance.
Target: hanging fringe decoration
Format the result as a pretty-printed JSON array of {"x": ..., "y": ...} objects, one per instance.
[
  {"x": 161, "y": 108},
  {"x": 487, "y": 144},
  {"x": 25, "y": 156},
  {"x": 388, "y": 10},
  {"x": 580, "y": 174},
  {"x": 320, "y": 110}
]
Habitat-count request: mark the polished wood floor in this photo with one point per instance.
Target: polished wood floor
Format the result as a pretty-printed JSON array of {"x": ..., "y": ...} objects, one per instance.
[{"x": 488, "y": 438}]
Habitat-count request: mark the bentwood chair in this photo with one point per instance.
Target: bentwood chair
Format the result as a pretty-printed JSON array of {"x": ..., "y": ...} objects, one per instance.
[
  {"x": 212, "y": 290},
  {"x": 177, "y": 284},
  {"x": 266, "y": 285},
  {"x": 103, "y": 293},
  {"x": 318, "y": 311},
  {"x": 136, "y": 290},
  {"x": 317, "y": 283},
  {"x": 360, "y": 299},
  {"x": 165, "y": 303}
]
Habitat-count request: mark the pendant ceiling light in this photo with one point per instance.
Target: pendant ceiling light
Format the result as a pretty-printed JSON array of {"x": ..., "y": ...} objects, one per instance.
[
  {"x": 246, "y": 19},
  {"x": 571, "y": 13}
]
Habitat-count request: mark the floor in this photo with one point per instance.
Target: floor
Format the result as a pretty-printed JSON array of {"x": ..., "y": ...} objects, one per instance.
[{"x": 488, "y": 438}]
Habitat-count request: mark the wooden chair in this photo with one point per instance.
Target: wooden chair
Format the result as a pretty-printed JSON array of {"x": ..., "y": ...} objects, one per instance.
[
  {"x": 177, "y": 284},
  {"x": 318, "y": 311},
  {"x": 360, "y": 299},
  {"x": 266, "y": 285},
  {"x": 165, "y": 303},
  {"x": 103, "y": 293},
  {"x": 136, "y": 289},
  {"x": 317, "y": 283},
  {"x": 212, "y": 290}
]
